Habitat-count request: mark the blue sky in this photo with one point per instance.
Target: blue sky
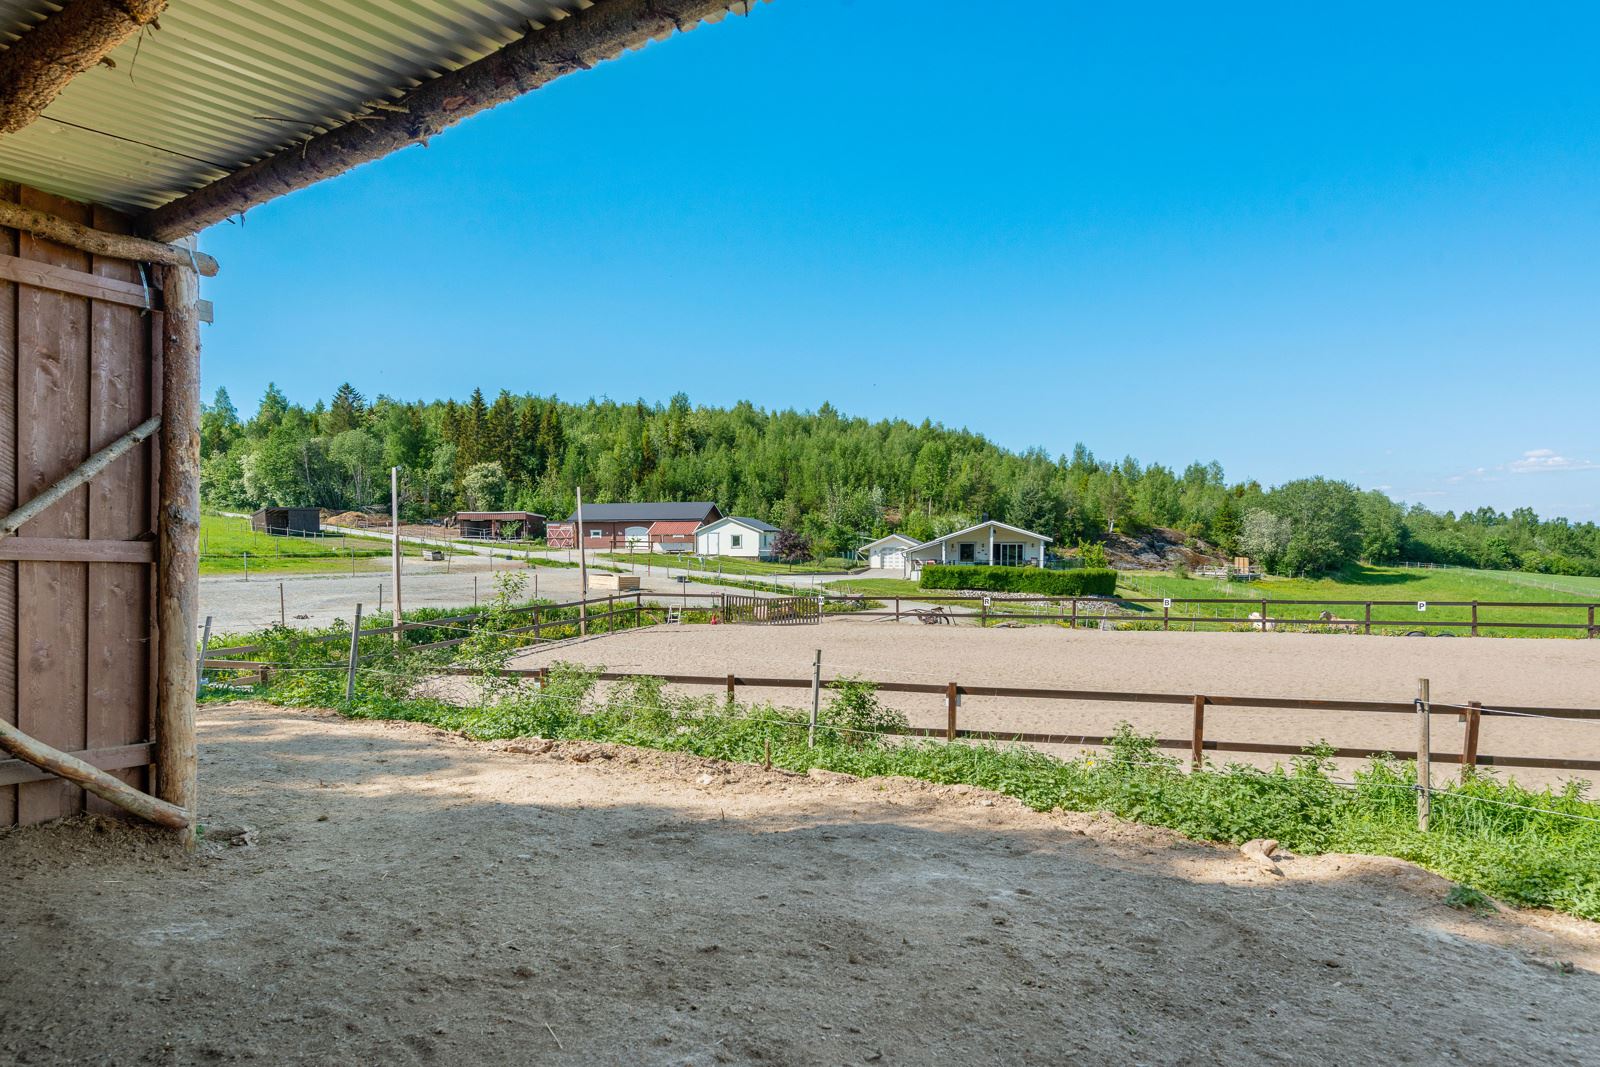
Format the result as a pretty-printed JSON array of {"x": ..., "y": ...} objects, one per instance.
[{"x": 1356, "y": 241}]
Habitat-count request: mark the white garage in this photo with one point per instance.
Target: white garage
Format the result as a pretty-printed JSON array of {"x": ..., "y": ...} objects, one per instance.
[{"x": 887, "y": 552}]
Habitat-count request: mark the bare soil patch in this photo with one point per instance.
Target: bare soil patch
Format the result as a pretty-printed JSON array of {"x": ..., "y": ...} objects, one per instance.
[
  {"x": 415, "y": 898},
  {"x": 1521, "y": 673}
]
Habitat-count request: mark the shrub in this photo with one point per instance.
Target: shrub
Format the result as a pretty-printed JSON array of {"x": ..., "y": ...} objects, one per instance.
[
  {"x": 1092, "y": 554},
  {"x": 1087, "y": 581}
]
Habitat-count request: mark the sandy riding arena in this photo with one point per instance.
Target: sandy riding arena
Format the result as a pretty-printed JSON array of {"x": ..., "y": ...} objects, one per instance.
[
  {"x": 1493, "y": 671},
  {"x": 406, "y": 897}
]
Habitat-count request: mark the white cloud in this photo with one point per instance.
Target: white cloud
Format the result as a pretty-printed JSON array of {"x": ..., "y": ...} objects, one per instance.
[{"x": 1538, "y": 460}]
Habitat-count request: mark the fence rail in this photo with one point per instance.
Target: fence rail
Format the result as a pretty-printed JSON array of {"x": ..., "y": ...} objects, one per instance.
[{"x": 1196, "y": 744}]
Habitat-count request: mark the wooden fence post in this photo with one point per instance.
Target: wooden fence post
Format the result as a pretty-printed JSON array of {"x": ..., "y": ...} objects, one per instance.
[
  {"x": 1074, "y": 623},
  {"x": 1263, "y": 616},
  {"x": 355, "y": 657},
  {"x": 1367, "y": 629},
  {"x": 731, "y": 681},
  {"x": 1592, "y": 631},
  {"x": 952, "y": 697},
  {"x": 1469, "y": 747},
  {"x": 1474, "y": 618},
  {"x": 1197, "y": 743},
  {"x": 1424, "y": 755},
  {"x": 1166, "y": 614},
  {"x": 816, "y": 699},
  {"x": 200, "y": 670}
]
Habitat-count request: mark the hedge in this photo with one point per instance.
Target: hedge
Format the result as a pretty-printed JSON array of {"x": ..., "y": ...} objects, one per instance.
[{"x": 1086, "y": 581}]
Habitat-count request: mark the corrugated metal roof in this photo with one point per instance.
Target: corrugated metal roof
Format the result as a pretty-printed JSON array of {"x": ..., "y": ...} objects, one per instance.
[
  {"x": 647, "y": 511},
  {"x": 223, "y": 83}
]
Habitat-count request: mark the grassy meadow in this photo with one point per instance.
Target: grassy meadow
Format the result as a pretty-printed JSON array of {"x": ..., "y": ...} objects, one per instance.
[
  {"x": 225, "y": 540},
  {"x": 1408, "y": 586}
]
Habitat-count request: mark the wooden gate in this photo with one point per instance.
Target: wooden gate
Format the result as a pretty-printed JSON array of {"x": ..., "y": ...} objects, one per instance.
[
  {"x": 771, "y": 611},
  {"x": 79, "y": 367}
]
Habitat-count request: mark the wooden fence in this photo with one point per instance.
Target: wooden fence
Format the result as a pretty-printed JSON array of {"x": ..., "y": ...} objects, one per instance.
[
  {"x": 1197, "y": 743},
  {"x": 1169, "y": 612}
]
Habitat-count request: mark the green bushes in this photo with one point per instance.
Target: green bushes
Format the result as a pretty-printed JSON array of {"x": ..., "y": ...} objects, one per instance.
[{"x": 1087, "y": 581}]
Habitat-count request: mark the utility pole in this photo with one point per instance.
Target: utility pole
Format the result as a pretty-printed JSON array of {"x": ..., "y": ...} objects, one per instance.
[
  {"x": 394, "y": 525},
  {"x": 583, "y": 568}
]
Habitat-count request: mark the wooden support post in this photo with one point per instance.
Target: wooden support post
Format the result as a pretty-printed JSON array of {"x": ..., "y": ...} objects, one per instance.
[
  {"x": 896, "y": 609},
  {"x": 105, "y": 786},
  {"x": 283, "y": 615},
  {"x": 1592, "y": 631},
  {"x": 1263, "y": 616},
  {"x": 731, "y": 681},
  {"x": 1197, "y": 742},
  {"x": 1424, "y": 757},
  {"x": 355, "y": 657},
  {"x": 178, "y": 573},
  {"x": 394, "y": 551},
  {"x": 952, "y": 698},
  {"x": 1367, "y": 628},
  {"x": 1469, "y": 746},
  {"x": 1474, "y": 618},
  {"x": 1074, "y": 622}
]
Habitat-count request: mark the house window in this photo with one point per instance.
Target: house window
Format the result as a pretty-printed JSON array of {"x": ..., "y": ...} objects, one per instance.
[
  {"x": 596, "y": 533},
  {"x": 969, "y": 552},
  {"x": 736, "y": 540}
]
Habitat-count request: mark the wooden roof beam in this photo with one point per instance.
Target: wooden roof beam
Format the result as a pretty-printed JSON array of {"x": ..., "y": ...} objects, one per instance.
[
  {"x": 42, "y": 62},
  {"x": 578, "y": 42}
]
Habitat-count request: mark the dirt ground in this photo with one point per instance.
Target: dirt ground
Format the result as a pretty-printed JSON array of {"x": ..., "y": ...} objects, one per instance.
[
  {"x": 412, "y": 898},
  {"x": 1495, "y": 671}
]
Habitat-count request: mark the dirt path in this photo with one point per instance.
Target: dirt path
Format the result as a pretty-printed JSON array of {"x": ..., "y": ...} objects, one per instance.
[{"x": 413, "y": 898}]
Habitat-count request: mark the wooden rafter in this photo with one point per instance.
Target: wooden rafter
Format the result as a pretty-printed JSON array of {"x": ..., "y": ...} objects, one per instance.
[
  {"x": 101, "y": 242},
  {"x": 43, "y": 61},
  {"x": 578, "y": 42}
]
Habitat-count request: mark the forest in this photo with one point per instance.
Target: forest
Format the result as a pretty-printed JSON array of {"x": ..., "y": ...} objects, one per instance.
[{"x": 834, "y": 481}]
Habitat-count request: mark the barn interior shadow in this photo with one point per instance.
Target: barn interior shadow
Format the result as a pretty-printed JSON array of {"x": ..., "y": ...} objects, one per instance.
[{"x": 405, "y": 901}]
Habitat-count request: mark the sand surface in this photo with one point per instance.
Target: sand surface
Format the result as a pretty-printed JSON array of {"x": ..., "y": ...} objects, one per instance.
[
  {"x": 1492, "y": 670},
  {"x": 413, "y": 898}
]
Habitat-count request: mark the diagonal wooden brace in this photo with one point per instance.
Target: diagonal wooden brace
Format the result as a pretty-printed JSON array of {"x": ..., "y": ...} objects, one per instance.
[
  {"x": 85, "y": 472},
  {"x": 96, "y": 781}
]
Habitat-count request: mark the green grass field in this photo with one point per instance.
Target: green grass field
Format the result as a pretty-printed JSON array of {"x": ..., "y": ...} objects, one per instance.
[
  {"x": 1405, "y": 585},
  {"x": 225, "y": 540},
  {"x": 725, "y": 565}
]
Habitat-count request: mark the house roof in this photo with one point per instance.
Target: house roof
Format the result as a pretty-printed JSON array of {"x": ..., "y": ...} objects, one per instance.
[
  {"x": 981, "y": 525},
  {"x": 675, "y": 527},
  {"x": 220, "y": 85},
  {"x": 753, "y": 524},
  {"x": 647, "y": 512},
  {"x": 900, "y": 538},
  {"x": 514, "y": 516}
]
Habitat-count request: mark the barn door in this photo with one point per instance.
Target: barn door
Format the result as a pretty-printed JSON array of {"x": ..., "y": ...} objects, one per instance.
[{"x": 79, "y": 367}]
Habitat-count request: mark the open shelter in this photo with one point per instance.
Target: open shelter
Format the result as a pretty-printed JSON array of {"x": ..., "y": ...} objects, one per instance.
[{"x": 126, "y": 128}]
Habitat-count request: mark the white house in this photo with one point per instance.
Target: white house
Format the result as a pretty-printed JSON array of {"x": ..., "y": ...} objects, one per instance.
[
  {"x": 889, "y": 552},
  {"x": 736, "y": 535},
  {"x": 987, "y": 542}
]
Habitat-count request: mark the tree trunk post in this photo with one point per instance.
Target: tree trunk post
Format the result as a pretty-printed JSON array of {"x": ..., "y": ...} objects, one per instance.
[{"x": 178, "y": 573}]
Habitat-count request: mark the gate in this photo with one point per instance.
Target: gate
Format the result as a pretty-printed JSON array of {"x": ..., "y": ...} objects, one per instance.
[
  {"x": 80, "y": 356},
  {"x": 771, "y": 611}
]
